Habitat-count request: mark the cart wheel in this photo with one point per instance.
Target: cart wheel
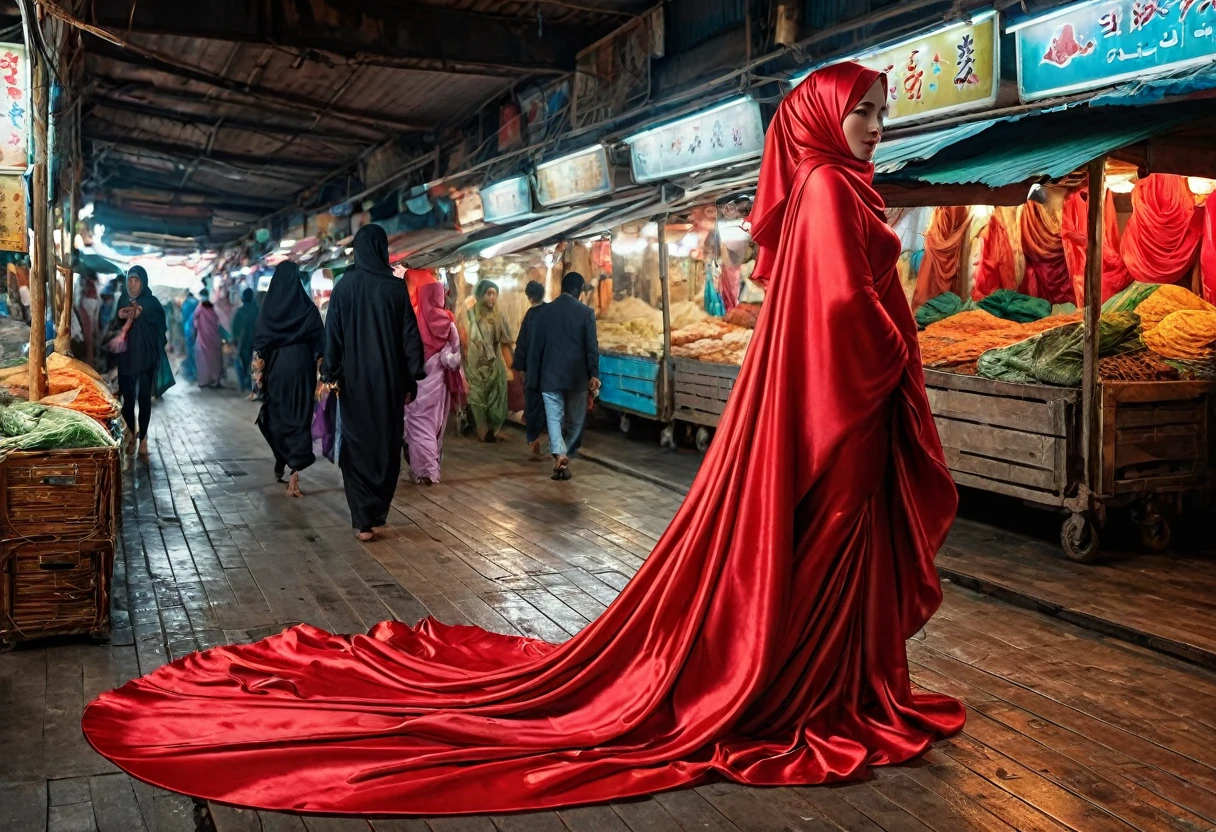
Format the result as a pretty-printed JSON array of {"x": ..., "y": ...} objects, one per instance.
[
  {"x": 1155, "y": 532},
  {"x": 702, "y": 439},
  {"x": 626, "y": 423},
  {"x": 1080, "y": 539},
  {"x": 667, "y": 439}
]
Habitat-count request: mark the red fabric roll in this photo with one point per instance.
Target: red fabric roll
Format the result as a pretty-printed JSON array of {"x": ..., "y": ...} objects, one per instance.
[
  {"x": 1161, "y": 240},
  {"x": 1046, "y": 267},
  {"x": 762, "y": 640},
  {"x": 997, "y": 269},
  {"x": 1207, "y": 253},
  {"x": 942, "y": 261},
  {"x": 1075, "y": 232}
]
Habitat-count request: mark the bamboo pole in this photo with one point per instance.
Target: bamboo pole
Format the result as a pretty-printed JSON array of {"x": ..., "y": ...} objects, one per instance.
[
  {"x": 39, "y": 271},
  {"x": 1091, "y": 404},
  {"x": 666, "y": 395}
]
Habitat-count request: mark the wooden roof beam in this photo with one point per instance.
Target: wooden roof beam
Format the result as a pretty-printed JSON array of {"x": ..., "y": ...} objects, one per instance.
[
  {"x": 190, "y": 152},
  {"x": 432, "y": 36}
]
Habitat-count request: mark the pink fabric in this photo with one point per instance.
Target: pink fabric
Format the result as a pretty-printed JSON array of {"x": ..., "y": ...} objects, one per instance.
[
  {"x": 208, "y": 350},
  {"x": 427, "y": 416}
]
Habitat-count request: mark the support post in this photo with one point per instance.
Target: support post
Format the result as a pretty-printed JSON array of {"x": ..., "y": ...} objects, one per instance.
[
  {"x": 41, "y": 272},
  {"x": 1091, "y": 403},
  {"x": 665, "y": 403}
]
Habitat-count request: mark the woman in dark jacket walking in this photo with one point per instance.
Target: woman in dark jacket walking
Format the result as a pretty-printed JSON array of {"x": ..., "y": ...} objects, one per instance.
[
  {"x": 290, "y": 339},
  {"x": 137, "y": 365}
]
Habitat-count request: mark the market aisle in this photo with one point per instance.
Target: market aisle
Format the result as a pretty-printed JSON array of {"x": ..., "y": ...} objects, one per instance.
[
  {"x": 1066, "y": 730},
  {"x": 1004, "y": 548}
]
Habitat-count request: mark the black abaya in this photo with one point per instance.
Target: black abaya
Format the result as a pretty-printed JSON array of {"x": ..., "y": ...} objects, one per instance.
[
  {"x": 373, "y": 352},
  {"x": 290, "y": 337}
]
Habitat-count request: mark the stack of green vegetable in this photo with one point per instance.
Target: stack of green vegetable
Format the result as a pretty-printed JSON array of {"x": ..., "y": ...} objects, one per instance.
[
  {"x": 1056, "y": 356},
  {"x": 26, "y": 426}
]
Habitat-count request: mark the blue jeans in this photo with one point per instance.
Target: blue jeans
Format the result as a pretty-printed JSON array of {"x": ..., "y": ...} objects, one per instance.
[{"x": 565, "y": 413}]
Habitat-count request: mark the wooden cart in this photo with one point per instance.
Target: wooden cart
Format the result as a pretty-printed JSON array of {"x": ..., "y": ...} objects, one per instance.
[
  {"x": 59, "y": 514},
  {"x": 700, "y": 390},
  {"x": 633, "y": 386},
  {"x": 1026, "y": 441}
]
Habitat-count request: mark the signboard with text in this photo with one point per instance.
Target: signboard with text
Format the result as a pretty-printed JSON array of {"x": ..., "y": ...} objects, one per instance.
[
  {"x": 14, "y": 107},
  {"x": 583, "y": 175},
  {"x": 722, "y": 135},
  {"x": 13, "y": 233},
  {"x": 1104, "y": 42},
  {"x": 949, "y": 70},
  {"x": 507, "y": 200}
]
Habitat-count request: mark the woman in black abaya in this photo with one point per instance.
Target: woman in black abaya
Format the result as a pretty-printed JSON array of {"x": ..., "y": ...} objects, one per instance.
[
  {"x": 290, "y": 338},
  {"x": 373, "y": 354},
  {"x": 137, "y": 366}
]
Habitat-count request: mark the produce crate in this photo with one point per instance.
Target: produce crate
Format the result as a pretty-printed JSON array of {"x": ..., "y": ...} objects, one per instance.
[
  {"x": 630, "y": 384},
  {"x": 55, "y": 588},
  {"x": 59, "y": 512},
  {"x": 71, "y": 494},
  {"x": 701, "y": 390}
]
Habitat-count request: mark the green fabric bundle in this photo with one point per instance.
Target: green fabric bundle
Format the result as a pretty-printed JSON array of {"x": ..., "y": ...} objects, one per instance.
[
  {"x": 1012, "y": 306},
  {"x": 26, "y": 426},
  {"x": 940, "y": 308},
  {"x": 1129, "y": 298},
  {"x": 1057, "y": 355}
]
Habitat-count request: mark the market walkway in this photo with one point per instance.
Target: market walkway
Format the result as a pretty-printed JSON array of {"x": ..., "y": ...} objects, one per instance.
[
  {"x": 1012, "y": 551},
  {"x": 1066, "y": 729}
]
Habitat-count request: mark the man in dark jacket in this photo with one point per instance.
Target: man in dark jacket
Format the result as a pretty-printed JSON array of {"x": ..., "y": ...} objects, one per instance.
[
  {"x": 534, "y": 405},
  {"x": 564, "y": 364}
]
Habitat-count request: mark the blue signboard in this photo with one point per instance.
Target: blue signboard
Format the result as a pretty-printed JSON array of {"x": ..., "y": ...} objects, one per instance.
[
  {"x": 1103, "y": 42},
  {"x": 507, "y": 200}
]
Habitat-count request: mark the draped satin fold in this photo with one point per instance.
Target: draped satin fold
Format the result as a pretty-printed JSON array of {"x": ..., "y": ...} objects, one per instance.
[
  {"x": 762, "y": 641},
  {"x": 942, "y": 261},
  {"x": 1161, "y": 240},
  {"x": 1046, "y": 267},
  {"x": 1074, "y": 230}
]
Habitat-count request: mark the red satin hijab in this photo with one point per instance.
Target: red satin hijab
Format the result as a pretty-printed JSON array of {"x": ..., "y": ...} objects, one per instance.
[
  {"x": 762, "y": 641},
  {"x": 434, "y": 319}
]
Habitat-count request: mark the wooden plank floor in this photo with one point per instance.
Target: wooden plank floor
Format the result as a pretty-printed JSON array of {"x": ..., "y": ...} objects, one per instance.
[
  {"x": 1067, "y": 729},
  {"x": 1003, "y": 548}
]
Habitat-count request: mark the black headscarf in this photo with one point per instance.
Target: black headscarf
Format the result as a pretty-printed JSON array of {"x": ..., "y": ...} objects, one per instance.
[
  {"x": 146, "y": 338},
  {"x": 287, "y": 316},
  {"x": 371, "y": 251}
]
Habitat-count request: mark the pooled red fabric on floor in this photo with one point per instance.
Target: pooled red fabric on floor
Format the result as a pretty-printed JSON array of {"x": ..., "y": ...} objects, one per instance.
[{"x": 762, "y": 640}]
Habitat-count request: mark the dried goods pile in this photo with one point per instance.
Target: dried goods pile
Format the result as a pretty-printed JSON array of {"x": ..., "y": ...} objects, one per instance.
[{"x": 70, "y": 383}]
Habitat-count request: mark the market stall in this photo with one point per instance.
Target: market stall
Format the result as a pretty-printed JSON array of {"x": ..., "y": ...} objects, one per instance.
[{"x": 1081, "y": 409}]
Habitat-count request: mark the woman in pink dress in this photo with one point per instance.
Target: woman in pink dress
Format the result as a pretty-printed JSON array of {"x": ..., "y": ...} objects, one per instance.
[
  {"x": 208, "y": 344},
  {"x": 427, "y": 415}
]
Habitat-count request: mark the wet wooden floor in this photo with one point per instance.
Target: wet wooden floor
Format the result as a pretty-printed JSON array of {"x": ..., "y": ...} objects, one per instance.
[{"x": 1066, "y": 729}]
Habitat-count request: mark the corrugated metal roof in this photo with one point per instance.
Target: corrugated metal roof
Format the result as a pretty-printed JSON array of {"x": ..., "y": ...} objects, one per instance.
[
  {"x": 1187, "y": 82},
  {"x": 895, "y": 154}
]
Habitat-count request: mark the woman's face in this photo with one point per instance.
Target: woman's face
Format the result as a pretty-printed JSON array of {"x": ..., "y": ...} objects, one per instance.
[
  {"x": 134, "y": 286},
  {"x": 490, "y": 298},
  {"x": 863, "y": 124}
]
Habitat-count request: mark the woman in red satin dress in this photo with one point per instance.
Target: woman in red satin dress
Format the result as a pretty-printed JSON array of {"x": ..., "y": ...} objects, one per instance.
[{"x": 761, "y": 642}]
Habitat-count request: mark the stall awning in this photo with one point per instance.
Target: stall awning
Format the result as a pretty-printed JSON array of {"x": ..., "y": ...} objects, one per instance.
[
  {"x": 537, "y": 232},
  {"x": 895, "y": 154},
  {"x": 1189, "y": 82},
  {"x": 97, "y": 263}
]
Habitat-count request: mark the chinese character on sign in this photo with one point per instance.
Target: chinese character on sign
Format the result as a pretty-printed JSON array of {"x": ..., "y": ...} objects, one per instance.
[
  {"x": 16, "y": 114},
  {"x": 889, "y": 72},
  {"x": 717, "y": 137},
  {"x": 1110, "y": 24},
  {"x": 695, "y": 144},
  {"x": 677, "y": 144},
  {"x": 966, "y": 63},
  {"x": 1146, "y": 12},
  {"x": 15, "y": 139},
  {"x": 736, "y": 136},
  {"x": 915, "y": 78}
]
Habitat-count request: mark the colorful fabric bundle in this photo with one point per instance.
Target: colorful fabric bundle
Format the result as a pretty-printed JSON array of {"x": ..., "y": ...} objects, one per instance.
[
  {"x": 1130, "y": 298},
  {"x": 940, "y": 308},
  {"x": 1207, "y": 252},
  {"x": 1013, "y": 306},
  {"x": 998, "y": 267},
  {"x": 1047, "y": 274},
  {"x": 1074, "y": 230},
  {"x": 1167, "y": 300},
  {"x": 1140, "y": 365},
  {"x": 745, "y": 315},
  {"x": 942, "y": 257},
  {"x": 1188, "y": 334},
  {"x": 1057, "y": 356},
  {"x": 955, "y": 344},
  {"x": 1161, "y": 240}
]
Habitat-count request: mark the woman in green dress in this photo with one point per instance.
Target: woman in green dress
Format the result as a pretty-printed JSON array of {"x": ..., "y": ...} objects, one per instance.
[{"x": 486, "y": 337}]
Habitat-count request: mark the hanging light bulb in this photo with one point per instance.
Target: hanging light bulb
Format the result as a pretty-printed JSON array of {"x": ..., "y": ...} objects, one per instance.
[{"x": 1200, "y": 186}]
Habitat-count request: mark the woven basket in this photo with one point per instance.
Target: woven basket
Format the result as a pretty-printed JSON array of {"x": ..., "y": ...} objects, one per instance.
[{"x": 59, "y": 514}]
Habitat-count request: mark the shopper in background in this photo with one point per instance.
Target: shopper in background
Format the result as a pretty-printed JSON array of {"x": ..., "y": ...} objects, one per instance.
[
  {"x": 374, "y": 356},
  {"x": 243, "y": 324},
  {"x": 189, "y": 307},
  {"x": 486, "y": 338},
  {"x": 289, "y": 338},
  {"x": 563, "y": 365},
  {"x": 534, "y": 405},
  {"x": 209, "y": 339},
  {"x": 443, "y": 389},
  {"x": 145, "y": 346}
]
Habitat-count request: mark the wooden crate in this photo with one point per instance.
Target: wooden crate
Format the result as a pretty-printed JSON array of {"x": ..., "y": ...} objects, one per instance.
[
  {"x": 701, "y": 390},
  {"x": 631, "y": 384},
  {"x": 1156, "y": 437},
  {"x": 1021, "y": 440},
  {"x": 70, "y": 494},
  {"x": 53, "y": 587}
]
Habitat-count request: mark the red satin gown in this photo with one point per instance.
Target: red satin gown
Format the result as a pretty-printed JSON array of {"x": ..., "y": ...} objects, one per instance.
[{"x": 761, "y": 642}]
